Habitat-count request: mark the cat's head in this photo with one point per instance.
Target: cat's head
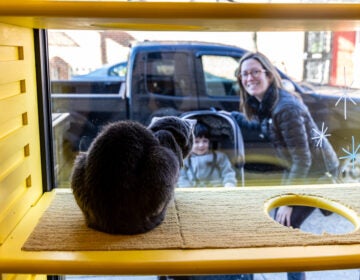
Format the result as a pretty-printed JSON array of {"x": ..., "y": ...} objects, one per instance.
[{"x": 181, "y": 129}]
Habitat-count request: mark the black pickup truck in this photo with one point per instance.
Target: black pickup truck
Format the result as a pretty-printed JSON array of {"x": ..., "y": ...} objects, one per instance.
[{"x": 175, "y": 77}]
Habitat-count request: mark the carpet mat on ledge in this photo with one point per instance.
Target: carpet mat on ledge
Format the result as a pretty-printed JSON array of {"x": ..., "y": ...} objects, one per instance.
[{"x": 213, "y": 218}]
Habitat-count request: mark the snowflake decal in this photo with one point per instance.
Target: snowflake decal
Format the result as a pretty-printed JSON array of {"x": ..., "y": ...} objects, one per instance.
[
  {"x": 345, "y": 97},
  {"x": 321, "y": 135},
  {"x": 351, "y": 155}
]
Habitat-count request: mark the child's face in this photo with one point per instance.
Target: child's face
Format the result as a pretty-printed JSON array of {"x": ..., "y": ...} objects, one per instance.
[{"x": 200, "y": 146}]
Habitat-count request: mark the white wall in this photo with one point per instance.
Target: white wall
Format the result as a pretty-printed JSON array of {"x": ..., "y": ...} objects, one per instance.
[
  {"x": 285, "y": 49},
  {"x": 84, "y": 57}
]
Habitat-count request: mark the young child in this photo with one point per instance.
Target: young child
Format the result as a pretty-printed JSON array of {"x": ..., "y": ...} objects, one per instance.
[{"x": 205, "y": 168}]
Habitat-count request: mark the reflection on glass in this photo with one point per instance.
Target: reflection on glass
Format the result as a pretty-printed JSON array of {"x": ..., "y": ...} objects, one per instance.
[{"x": 89, "y": 86}]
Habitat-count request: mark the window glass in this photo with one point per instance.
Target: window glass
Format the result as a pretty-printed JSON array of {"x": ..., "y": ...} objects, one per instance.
[
  {"x": 118, "y": 70},
  {"x": 167, "y": 73},
  {"x": 219, "y": 74},
  {"x": 88, "y": 84},
  {"x": 95, "y": 84},
  {"x": 317, "y": 57}
]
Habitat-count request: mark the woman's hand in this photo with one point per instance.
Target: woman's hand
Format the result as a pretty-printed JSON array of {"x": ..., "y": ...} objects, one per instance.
[
  {"x": 225, "y": 112},
  {"x": 283, "y": 215}
]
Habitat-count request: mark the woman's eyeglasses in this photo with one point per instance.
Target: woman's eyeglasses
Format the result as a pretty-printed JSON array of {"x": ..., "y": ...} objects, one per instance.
[{"x": 253, "y": 73}]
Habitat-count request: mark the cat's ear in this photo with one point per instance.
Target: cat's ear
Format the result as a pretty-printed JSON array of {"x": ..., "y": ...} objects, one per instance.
[
  {"x": 154, "y": 120},
  {"x": 192, "y": 123}
]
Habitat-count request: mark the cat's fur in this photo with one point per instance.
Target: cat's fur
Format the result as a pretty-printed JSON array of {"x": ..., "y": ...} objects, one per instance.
[{"x": 125, "y": 181}]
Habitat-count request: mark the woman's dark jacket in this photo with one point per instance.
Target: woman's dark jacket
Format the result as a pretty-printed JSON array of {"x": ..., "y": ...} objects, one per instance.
[{"x": 289, "y": 126}]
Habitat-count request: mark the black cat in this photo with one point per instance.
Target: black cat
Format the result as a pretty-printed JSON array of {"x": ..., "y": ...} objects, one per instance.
[{"x": 125, "y": 181}]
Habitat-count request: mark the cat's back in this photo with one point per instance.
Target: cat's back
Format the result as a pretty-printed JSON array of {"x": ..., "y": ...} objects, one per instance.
[
  {"x": 119, "y": 145},
  {"x": 130, "y": 173}
]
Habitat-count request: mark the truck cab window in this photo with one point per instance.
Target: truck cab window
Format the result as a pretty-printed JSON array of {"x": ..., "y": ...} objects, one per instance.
[
  {"x": 219, "y": 75},
  {"x": 119, "y": 70},
  {"x": 167, "y": 73}
]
